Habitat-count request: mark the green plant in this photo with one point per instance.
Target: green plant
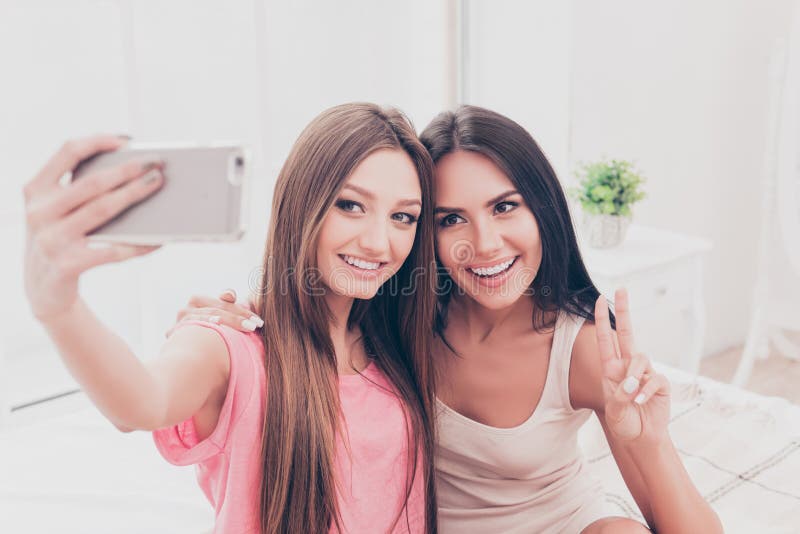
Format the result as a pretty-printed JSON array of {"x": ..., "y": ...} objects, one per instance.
[{"x": 608, "y": 187}]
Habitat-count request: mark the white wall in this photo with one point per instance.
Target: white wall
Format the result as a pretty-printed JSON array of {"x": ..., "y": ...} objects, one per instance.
[
  {"x": 61, "y": 77},
  {"x": 518, "y": 65},
  {"x": 260, "y": 72},
  {"x": 681, "y": 88},
  {"x": 185, "y": 70},
  {"x": 678, "y": 87},
  {"x": 318, "y": 54}
]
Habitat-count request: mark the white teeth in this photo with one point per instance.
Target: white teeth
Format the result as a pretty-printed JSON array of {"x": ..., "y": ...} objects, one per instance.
[
  {"x": 362, "y": 264},
  {"x": 495, "y": 269}
]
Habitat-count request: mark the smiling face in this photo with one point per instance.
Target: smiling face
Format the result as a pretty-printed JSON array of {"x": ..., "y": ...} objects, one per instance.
[
  {"x": 487, "y": 237},
  {"x": 369, "y": 231}
]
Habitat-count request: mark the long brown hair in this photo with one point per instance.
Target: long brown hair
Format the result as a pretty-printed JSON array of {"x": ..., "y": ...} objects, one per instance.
[{"x": 298, "y": 489}]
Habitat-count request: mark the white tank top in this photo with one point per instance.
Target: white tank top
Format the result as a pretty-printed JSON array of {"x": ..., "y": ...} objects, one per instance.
[{"x": 527, "y": 479}]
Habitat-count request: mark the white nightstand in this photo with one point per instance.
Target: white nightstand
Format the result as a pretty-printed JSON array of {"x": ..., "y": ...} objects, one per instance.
[{"x": 663, "y": 272}]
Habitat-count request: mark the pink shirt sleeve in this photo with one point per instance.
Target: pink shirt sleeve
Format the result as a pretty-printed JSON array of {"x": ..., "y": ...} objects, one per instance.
[{"x": 179, "y": 444}]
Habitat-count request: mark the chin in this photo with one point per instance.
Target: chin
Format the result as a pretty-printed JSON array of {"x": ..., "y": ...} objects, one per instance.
[
  {"x": 364, "y": 295},
  {"x": 366, "y": 292},
  {"x": 496, "y": 302}
]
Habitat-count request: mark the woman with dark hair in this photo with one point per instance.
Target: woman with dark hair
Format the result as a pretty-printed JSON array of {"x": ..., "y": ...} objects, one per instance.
[{"x": 526, "y": 351}]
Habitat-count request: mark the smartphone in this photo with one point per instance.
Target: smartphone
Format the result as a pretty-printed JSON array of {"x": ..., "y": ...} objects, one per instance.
[{"x": 202, "y": 199}]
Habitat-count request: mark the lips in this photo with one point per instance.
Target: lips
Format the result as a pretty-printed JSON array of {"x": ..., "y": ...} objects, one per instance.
[
  {"x": 361, "y": 263},
  {"x": 362, "y": 267},
  {"x": 497, "y": 274},
  {"x": 493, "y": 270}
]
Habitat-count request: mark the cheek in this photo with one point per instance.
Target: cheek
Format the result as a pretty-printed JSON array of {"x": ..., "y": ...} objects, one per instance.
[
  {"x": 455, "y": 248},
  {"x": 336, "y": 230},
  {"x": 533, "y": 235},
  {"x": 402, "y": 241},
  {"x": 325, "y": 261},
  {"x": 529, "y": 238},
  {"x": 327, "y": 233},
  {"x": 323, "y": 246},
  {"x": 444, "y": 249}
]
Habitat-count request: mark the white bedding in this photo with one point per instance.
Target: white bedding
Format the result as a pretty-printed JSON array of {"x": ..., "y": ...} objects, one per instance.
[
  {"x": 77, "y": 474},
  {"x": 741, "y": 449}
]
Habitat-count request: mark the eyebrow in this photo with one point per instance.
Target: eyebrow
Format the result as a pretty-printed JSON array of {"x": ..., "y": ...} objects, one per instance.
[
  {"x": 371, "y": 196},
  {"x": 494, "y": 200}
]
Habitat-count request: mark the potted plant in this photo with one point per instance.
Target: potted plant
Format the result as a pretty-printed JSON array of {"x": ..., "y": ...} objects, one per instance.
[{"x": 607, "y": 190}]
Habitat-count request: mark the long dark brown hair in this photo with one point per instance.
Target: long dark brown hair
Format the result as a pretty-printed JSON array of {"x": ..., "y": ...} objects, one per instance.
[
  {"x": 562, "y": 282},
  {"x": 298, "y": 491}
]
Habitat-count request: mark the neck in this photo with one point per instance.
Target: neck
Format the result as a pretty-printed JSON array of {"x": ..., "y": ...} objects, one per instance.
[
  {"x": 481, "y": 323},
  {"x": 340, "y": 307},
  {"x": 342, "y": 338}
]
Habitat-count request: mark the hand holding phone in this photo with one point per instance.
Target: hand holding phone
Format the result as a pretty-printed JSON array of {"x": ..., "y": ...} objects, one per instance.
[
  {"x": 202, "y": 198},
  {"x": 58, "y": 219}
]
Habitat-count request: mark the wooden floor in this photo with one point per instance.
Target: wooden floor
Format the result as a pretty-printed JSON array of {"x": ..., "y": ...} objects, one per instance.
[{"x": 776, "y": 375}]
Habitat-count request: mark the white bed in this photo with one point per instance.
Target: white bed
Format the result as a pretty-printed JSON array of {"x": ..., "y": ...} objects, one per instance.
[
  {"x": 75, "y": 473},
  {"x": 741, "y": 449}
]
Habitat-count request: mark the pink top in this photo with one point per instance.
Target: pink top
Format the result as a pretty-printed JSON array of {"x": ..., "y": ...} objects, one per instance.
[{"x": 371, "y": 475}]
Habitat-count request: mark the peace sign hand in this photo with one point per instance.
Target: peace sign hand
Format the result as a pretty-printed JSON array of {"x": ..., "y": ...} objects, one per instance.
[{"x": 636, "y": 397}]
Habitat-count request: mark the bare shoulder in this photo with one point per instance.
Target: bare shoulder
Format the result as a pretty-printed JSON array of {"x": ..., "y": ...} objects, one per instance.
[
  {"x": 192, "y": 369},
  {"x": 199, "y": 344},
  {"x": 586, "y": 370}
]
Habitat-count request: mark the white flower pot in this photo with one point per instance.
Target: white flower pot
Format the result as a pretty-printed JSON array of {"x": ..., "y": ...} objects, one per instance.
[{"x": 604, "y": 231}]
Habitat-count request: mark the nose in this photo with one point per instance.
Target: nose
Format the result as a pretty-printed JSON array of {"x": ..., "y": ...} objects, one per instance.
[
  {"x": 374, "y": 238},
  {"x": 488, "y": 241}
]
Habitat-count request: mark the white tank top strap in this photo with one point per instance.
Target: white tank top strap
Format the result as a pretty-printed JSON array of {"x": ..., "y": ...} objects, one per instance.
[{"x": 566, "y": 330}]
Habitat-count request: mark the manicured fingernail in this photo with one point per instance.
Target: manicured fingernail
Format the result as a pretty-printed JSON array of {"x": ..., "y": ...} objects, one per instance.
[
  {"x": 214, "y": 319},
  {"x": 630, "y": 385},
  {"x": 247, "y": 324},
  {"x": 152, "y": 176},
  {"x": 639, "y": 398},
  {"x": 150, "y": 165}
]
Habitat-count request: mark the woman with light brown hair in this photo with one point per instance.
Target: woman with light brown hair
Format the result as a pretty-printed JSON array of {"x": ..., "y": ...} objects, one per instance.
[{"x": 321, "y": 420}]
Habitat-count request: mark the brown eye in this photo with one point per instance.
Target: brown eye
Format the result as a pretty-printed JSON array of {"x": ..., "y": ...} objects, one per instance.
[
  {"x": 450, "y": 220},
  {"x": 505, "y": 207},
  {"x": 349, "y": 206},
  {"x": 405, "y": 218}
]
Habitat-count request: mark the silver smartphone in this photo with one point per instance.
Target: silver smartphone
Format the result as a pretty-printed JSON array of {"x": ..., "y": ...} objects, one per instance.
[{"x": 203, "y": 197}]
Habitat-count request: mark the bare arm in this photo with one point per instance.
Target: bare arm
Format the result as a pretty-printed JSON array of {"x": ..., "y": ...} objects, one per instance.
[
  {"x": 586, "y": 391},
  {"x": 194, "y": 365},
  {"x": 190, "y": 373},
  {"x": 670, "y": 489},
  {"x": 633, "y": 406}
]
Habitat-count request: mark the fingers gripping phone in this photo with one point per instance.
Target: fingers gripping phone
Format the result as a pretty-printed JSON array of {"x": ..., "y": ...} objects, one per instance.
[{"x": 202, "y": 199}]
